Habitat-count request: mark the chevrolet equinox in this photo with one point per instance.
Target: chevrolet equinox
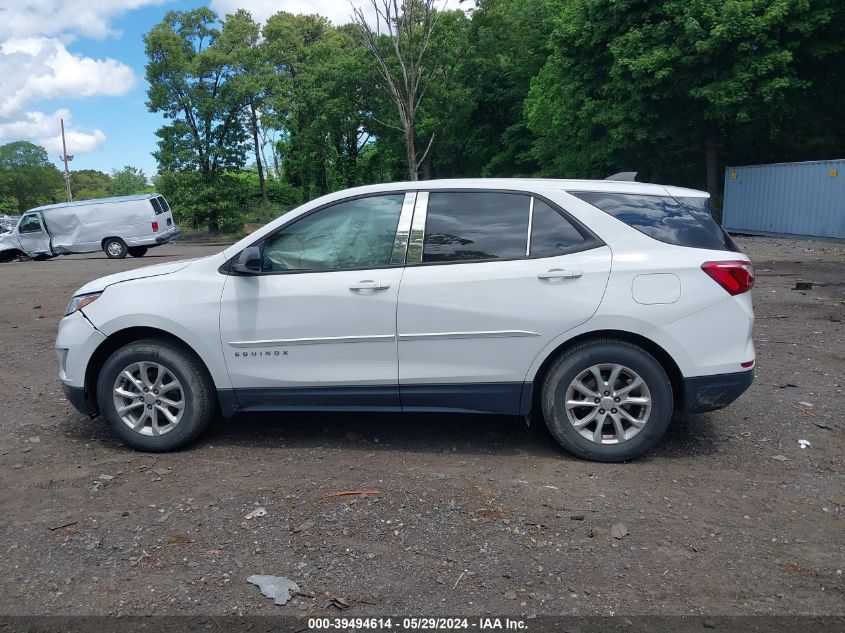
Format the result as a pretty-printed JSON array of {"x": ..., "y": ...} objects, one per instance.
[{"x": 602, "y": 306}]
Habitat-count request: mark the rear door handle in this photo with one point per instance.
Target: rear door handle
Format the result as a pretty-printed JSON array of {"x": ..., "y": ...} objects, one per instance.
[
  {"x": 369, "y": 284},
  {"x": 559, "y": 273}
]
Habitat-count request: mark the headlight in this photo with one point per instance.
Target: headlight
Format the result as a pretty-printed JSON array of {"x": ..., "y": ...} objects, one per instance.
[{"x": 80, "y": 301}]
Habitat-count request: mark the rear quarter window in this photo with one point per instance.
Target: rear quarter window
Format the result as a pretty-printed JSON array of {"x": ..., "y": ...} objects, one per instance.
[{"x": 662, "y": 218}]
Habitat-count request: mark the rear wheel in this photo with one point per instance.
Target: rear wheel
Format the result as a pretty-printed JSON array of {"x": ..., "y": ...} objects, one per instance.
[
  {"x": 138, "y": 251},
  {"x": 115, "y": 248},
  {"x": 156, "y": 395},
  {"x": 607, "y": 400}
]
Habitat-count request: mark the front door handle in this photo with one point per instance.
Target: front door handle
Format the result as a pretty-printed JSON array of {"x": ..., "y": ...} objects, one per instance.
[
  {"x": 559, "y": 273},
  {"x": 369, "y": 284}
]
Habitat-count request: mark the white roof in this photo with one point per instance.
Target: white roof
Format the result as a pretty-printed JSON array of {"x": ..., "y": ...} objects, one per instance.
[{"x": 531, "y": 184}]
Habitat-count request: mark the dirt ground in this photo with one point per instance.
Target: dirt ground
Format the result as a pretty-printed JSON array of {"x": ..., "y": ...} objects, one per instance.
[{"x": 473, "y": 514}]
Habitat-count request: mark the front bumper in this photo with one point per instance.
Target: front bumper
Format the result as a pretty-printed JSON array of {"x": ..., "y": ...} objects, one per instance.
[
  {"x": 76, "y": 342},
  {"x": 76, "y": 396},
  {"x": 710, "y": 393}
]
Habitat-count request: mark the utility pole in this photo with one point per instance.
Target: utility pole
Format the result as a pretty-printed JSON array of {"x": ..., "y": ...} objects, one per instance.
[{"x": 65, "y": 158}]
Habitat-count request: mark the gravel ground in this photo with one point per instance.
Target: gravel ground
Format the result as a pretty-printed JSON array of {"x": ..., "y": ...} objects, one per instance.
[{"x": 472, "y": 514}]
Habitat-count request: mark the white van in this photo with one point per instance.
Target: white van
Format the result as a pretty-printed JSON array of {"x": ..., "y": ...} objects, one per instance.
[{"x": 118, "y": 226}]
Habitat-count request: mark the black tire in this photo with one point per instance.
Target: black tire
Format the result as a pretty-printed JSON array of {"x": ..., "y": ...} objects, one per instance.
[
  {"x": 138, "y": 251},
  {"x": 612, "y": 352},
  {"x": 200, "y": 399},
  {"x": 115, "y": 248}
]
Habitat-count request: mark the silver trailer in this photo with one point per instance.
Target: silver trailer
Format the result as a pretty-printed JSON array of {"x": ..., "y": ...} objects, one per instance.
[{"x": 118, "y": 226}]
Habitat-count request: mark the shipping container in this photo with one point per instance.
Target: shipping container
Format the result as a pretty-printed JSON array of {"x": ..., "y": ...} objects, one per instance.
[{"x": 790, "y": 199}]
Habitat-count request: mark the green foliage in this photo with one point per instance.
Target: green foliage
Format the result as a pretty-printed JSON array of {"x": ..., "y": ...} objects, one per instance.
[
  {"x": 196, "y": 80},
  {"x": 651, "y": 85},
  {"x": 127, "y": 181},
  {"x": 674, "y": 89},
  {"x": 231, "y": 198},
  {"x": 27, "y": 177},
  {"x": 87, "y": 184}
]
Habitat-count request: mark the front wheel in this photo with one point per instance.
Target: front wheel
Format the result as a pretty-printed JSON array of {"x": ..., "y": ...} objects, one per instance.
[
  {"x": 607, "y": 400},
  {"x": 138, "y": 251},
  {"x": 115, "y": 248},
  {"x": 156, "y": 395}
]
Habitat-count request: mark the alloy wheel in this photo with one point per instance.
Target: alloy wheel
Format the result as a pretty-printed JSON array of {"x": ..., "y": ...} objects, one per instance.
[
  {"x": 608, "y": 403},
  {"x": 149, "y": 398}
]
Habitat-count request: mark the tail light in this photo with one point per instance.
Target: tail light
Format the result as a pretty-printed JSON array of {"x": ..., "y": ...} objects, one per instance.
[
  {"x": 734, "y": 276},
  {"x": 155, "y": 227}
]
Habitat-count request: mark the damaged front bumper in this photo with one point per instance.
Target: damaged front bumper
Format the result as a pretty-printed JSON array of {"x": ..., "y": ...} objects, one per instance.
[{"x": 76, "y": 343}]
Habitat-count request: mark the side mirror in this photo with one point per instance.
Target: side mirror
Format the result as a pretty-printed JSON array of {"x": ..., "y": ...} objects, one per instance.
[{"x": 248, "y": 262}]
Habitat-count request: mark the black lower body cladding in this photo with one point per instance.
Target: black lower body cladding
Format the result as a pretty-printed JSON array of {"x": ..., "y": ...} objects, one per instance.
[{"x": 711, "y": 393}]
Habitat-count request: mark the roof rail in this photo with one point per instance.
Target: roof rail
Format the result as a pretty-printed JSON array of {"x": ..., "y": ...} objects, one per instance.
[{"x": 628, "y": 176}]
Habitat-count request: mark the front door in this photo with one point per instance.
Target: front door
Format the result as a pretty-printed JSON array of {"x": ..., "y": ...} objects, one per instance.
[
  {"x": 34, "y": 239},
  {"x": 317, "y": 327},
  {"x": 480, "y": 299}
]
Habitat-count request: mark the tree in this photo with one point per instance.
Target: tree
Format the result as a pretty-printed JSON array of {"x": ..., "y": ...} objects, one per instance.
[
  {"x": 507, "y": 47},
  {"x": 128, "y": 181},
  {"x": 660, "y": 86},
  {"x": 194, "y": 72},
  {"x": 321, "y": 81},
  {"x": 27, "y": 176},
  {"x": 90, "y": 183},
  {"x": 405, "y": 61}
]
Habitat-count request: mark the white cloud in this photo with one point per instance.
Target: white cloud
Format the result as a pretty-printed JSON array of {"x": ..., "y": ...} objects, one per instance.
[
  {"x": 90, "y": 18},
  {"x": 337, "y": 11},
  {"x": 45, "y": 130},
  {"x": 40, "y": 68}
]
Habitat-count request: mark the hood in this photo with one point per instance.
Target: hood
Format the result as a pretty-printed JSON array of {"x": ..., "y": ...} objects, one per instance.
[
  {"x": 102, "y": 283},
  {"x": 8, "y": 241}
]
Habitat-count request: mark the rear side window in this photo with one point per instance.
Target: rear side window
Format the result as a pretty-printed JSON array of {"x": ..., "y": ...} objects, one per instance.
[
  {"x": 164, "y": 206},
  {"x": 660, "y": 217},
  {"x": 551, "y": 233},
  {"x": 700, "y": 208},
  {"x": 156, "y": 206},
  {"x": 475, "y": 226}
]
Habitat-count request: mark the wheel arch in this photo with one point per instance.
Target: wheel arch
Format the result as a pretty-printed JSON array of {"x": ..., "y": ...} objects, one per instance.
[
  {"x": 111, "y": 237},
  {"x": 117, "y": 340},
  {"x": 661, "y": 355}
]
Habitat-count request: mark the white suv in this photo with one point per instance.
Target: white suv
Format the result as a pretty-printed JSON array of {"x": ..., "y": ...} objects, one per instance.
[{"x": 603, "y": 306}]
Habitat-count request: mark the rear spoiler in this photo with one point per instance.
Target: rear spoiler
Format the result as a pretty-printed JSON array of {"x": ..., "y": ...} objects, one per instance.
[{"x": 627, "y": 176}]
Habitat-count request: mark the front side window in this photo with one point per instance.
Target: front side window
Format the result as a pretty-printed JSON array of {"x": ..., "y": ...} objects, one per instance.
[
  {"x": 475, "y": 226},
  {"x": 30, "y": 224},
  {"x": 353, "y": 234},
  {"x": 551, "y": 233}
]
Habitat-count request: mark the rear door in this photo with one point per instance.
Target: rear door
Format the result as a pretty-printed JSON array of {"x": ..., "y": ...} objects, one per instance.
[
  {"x": 479, "y": 299},
  {"x": 164, "y": 216},
  {"x": 33, "y": 236}
]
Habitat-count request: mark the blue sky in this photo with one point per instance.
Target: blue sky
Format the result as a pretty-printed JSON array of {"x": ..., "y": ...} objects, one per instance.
[
  {"x": 128, "y": 125},
  {"x": 83, "y": 60}
]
